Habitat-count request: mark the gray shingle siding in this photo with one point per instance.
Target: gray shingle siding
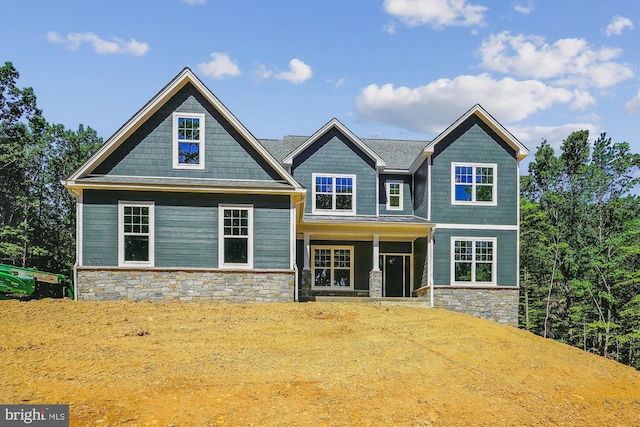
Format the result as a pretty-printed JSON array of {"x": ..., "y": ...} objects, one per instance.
[{"x": 407, "y": 204}]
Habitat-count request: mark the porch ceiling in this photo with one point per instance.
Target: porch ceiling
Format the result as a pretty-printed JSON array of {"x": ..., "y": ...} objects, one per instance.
[{"x": 388, "y": 227}]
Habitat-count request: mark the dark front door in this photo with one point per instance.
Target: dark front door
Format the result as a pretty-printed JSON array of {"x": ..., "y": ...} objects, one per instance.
[{"x": 394, "y": 277}]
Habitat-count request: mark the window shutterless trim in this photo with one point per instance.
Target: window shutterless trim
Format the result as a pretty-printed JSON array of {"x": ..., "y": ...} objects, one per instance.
[
  {"x": 333, "y": 193},
  {"x": 221, "y": 237},
  {"x": 176, "y": 142},
  {"x": 400, "y": 195},
  {"x": 121, "y": 234},
  {"x": 332, "y": 268},
  {"x": 474, "y": 184},
  {"x": 474, "y": 262}
]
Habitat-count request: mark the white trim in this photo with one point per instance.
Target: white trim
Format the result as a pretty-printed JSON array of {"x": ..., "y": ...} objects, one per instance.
[
  {"x": 518, "y": 221},
  {"x": 292, "y": 234},
  {"x": 307, "y": 251},
  {"x": 79, "y": 228},
  {"x": 428, "y": 195},
  {"x": 430, "y": 268},
  {"x": 494, "y": 261},
  {"x": 499, "y": 227},
  {"x": 387, "y": 187},
  {"x": 121, "y": 261},
  {"x": 332, "y": 268},
  {"x": 333, "y": 211},
  {"x": 231, "y": 266},
  {"x": 473, "y": 202},
  {"x": 176, "y": 143},
  {"x": 376, "y": 252}
]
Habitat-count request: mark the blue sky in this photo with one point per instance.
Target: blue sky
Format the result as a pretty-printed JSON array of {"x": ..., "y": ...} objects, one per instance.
[{"x": 402, "y": 69}]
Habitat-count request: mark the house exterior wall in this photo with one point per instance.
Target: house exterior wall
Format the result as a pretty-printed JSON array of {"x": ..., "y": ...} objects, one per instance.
[
  {"x": 149, "y": 150},
  {"x": 333, "y": 153},
  {"x": 420, "y": 191},
  {"x": 186, "y": 228},
  {"x": 407, "y": 204}
]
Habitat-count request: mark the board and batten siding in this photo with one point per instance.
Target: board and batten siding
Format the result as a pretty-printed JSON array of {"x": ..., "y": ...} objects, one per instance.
[
  {"x": 149, "y": 150},
  {"x": 333, "y": 153},
  {"x": 474, "y": 142},
  {"x": 186, "y": 228},
  {"x": 507, "y": 253}
]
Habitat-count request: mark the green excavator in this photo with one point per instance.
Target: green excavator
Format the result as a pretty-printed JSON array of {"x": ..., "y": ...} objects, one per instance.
[{"x": 26, "y": 283}]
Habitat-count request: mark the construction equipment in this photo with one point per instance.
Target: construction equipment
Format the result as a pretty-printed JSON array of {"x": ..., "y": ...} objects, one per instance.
[{"x": 27, "y": 283}]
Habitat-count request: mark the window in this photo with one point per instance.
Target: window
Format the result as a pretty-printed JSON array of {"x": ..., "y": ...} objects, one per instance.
[
  {"x": 474, "y": 261},
  {"x": 332, "y": 267},
  {"x": 474, "y": 183},
  {"x": 334, "y": 194},
  {"x": 236, "y": 236},
  {"x": 394, "y": 195},
  {"x": 188, "y": 141},
  {"x": 136, "y": 237}
]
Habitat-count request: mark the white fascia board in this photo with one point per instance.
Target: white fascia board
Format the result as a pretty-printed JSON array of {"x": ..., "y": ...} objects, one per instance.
[{"x": 335, "y": 123}]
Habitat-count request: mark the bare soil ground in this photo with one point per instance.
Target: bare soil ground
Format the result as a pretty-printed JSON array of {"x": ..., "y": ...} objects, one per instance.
[{"x": 200, "y": 364}]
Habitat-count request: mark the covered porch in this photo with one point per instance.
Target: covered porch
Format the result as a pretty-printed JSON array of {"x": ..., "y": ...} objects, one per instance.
[{"x": 363, "y": 256}]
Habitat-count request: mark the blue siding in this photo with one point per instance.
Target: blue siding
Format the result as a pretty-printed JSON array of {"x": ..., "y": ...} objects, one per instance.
[
  {"x": 407, "y": 205},
  {"x": 421, "y": 183},
  {"x": 507, "y": 255},
  {"x": 333, "y": 153},
  {"x": 186, "y": 228},
  {"x": 474, "y": 142},
  {"x": 149, "y": 150}
]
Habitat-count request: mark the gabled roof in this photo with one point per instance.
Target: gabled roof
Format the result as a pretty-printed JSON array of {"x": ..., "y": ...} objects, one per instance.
[
  {"x": 183, "y": 78},
  {"x": 335, "y": 124},
  {"x": 481, "y": 113}
]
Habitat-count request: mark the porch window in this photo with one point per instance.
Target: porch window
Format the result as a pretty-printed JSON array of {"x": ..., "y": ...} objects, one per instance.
[
  {"x": 235, "y": 246},
  {"x": 474, "y": 261},
  {"x": 334, "y": 194},
  {"x": 332, "y": 267},
  {"x": 473, "y": 183},
  {"x": 188, "y": 141},
  {"x": 136, "y": 236}
]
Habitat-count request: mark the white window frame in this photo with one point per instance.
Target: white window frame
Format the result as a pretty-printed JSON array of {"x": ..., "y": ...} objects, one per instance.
[
  {"x": 221, "y": 236},
  {"x": 473, "y": 202},
  {"x": 121, "y": 234},
  {"x": 400, "y": 194},
  {"x": 494, "y": 261},
  {"x": 333, "y": 210},
  {"x": 332, "y": 268},
  {"x": 176, "y": 142}
]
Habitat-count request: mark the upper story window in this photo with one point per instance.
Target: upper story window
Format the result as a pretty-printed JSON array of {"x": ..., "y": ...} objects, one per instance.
[
  {"x": 473, "y": 183},
  {"x": 136, "y": 236},
  {"x": 235, "y": 236},
  {"x": 474, "y": 261},
  {"x": 334, "y": 194},
  {"x": 394, "y": 195},
  {"x": 188, "y": 141}
]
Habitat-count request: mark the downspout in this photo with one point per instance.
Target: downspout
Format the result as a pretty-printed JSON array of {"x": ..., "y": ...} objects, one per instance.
[{"x": 431, "y": 286}]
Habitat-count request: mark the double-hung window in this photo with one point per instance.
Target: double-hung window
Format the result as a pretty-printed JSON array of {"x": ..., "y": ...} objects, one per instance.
[
  {"x": 188, "y": 141},
  {"x": 332, "y": 267},
  {"x": 474, "y": 261},
  {"x": 136, "y": 236},
  {"x": 474, "y": 183},
  {"x": 334, "y": 193},
  {"x": 394, "y": 195},
  {"x": 235, "y": 246}
]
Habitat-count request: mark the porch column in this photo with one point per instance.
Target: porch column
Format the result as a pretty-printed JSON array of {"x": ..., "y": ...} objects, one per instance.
[
  {"x": 375, "y": 276},
  {"x": 307, "y": 252},
  {"x": 305, "y": 288}
]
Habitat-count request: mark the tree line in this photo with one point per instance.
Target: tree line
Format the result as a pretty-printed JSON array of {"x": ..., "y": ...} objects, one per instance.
[
  {"x": 37, "y": 215},
  {"x": 580, "y": 223}
]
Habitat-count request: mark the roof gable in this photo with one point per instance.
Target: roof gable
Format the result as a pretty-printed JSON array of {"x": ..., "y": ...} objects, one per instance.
[
  {"x": 184, "y": 78},
  {"x": 335, "y": 124}
]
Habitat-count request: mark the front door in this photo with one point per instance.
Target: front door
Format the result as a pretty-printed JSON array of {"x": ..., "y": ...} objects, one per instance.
[{"x": 396, "y": 275}]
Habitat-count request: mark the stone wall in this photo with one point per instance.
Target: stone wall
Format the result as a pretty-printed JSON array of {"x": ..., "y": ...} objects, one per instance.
[
  {"x": 499, "y": 304},
  {"x": 103, "y": 284}
]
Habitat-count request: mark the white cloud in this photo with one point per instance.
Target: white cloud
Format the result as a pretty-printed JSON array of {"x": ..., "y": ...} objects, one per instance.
[
  {"x": 532, "y": 136},
  {"x": 390, "y": 27},
  {"x": 73, "y": 41},
  {"x": 617, "y": 25},
  {"x": 523, "y": 7},
  {"x": 570, "y": 61},
  {"x": 299, "y": 72},
  {"x": 432, "y": 107},
  {"x": 221, "y": 65},
  {"x": 633, "y": 106},
  {"x": 436, "y": 13}
]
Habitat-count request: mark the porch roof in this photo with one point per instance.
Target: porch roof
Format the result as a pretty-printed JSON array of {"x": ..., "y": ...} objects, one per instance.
[{"x": 364, "y": 227}]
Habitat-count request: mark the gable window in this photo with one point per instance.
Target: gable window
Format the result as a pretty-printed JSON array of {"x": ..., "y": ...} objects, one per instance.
[
  {"x": 334, "y": 193},
  {"x": 474, "y": 261},
  {"x": 394, "y": 195},
  {"x": 235, "y": 247},
  {"x": 136, "y": 237},
  {"x": 188, "y": 141},
  {"x": 474, "y": 183},
  {"x": 332, "y": 267}
]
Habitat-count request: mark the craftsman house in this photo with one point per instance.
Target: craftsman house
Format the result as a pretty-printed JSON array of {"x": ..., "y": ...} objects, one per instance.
[{"x": 184, "y": 203}]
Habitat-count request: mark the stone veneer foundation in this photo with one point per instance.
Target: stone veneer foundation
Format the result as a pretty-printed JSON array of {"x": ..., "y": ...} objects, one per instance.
[{"x": 105, "y": 284}]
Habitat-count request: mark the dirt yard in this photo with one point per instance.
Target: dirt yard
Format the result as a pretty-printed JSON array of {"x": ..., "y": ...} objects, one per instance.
[{"x": 201, "y": 364}]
